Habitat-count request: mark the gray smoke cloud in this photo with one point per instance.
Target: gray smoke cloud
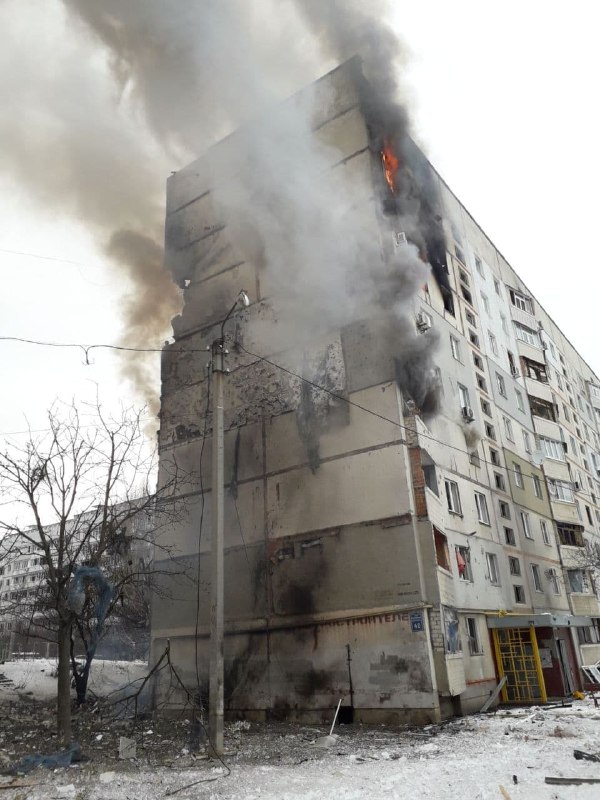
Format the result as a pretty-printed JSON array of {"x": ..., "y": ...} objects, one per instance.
[{"x": 143, "y": 86}]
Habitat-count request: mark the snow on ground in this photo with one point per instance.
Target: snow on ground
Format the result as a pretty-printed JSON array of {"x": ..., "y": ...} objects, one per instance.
[
  {"x": 37, "y": 677},
  {"x": 468, "y": 758}
]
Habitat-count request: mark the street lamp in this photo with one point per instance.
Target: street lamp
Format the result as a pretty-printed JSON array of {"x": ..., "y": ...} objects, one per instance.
[{"x": 216, "y": 678}]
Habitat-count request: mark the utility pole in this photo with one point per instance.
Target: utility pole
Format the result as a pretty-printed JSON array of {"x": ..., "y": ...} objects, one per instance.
[
  {"x": 217, "y": 546},
  {"x": 215, "y": 701}
]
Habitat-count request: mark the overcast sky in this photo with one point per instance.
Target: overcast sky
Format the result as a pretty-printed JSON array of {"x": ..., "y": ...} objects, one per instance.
[{"x": 503, "y": 96}]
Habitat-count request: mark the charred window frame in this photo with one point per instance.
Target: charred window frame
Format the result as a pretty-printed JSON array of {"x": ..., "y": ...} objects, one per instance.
[
  {"x": 521, "y": 301},
  {"x": 570, "y": 535},
  {"x": 442, "y": 552}
]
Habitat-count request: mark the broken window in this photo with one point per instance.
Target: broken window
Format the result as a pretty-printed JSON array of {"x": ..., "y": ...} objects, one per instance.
[
  {"x": 453, "y": 497},
  {"x": 463, "y": 562},
  {"x": 561, "y": 490},
  {"x": 473, "y": 639},
  {"x": 492, "y": 565},
  {"x": 544, "y": 529},
  {"x": 519, "y": 593},
  {"x": 442, "y": 553},
  {"x": 521, "y": 301},
  {"x": 527, "y": 335},
  {"x": 518, "y": 473},
  {"x": 451, "y": 631},
  {"x": 552, "y": 576},
  {"x": 482, "y": 508},
  {"x": 579, "y": 581},
  {"x": 537, "y": 578},
  {"x": 534, "y": 370},
  {"x": 542, "y": 408},
  {"x": 514, "y": 565}
]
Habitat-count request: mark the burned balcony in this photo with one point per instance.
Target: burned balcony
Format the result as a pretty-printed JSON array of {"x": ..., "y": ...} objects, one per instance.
[
  {"x": 543, "y": 408},
  {"x": 570, "y": 535},
  {"x": 534, "y": 370}
]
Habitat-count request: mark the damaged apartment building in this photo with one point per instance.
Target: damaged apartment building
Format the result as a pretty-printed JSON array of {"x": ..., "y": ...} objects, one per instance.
[{"x": 411, "y": 449}]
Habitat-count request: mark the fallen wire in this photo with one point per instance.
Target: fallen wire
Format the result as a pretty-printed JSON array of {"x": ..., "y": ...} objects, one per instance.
[{"x": 164, "y": 662}]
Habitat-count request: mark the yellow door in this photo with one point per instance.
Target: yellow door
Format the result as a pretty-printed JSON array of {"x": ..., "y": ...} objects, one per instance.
[{"x": 518, "y": 657}]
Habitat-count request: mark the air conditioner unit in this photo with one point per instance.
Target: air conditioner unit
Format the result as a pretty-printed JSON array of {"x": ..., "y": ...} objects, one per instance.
[
  {"x": 467, "y": 413},
  {"x": 423, "y": 321}
]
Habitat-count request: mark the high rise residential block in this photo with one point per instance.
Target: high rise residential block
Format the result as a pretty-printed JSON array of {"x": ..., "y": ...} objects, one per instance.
[{"x": 412, "y": 454}]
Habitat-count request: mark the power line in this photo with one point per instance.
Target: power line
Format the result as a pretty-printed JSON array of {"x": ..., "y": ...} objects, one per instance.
[
  {"x": 382, "y": 417},
  {"x": 340, "y": 397}
]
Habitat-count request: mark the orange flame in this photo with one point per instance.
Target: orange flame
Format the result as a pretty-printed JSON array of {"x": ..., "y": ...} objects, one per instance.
[{"x": 390, "y": 164}]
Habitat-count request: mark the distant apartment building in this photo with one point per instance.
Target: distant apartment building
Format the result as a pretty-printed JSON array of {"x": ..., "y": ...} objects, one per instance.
[
  {"x": 400, "y": 552},
  {"x": 26, "y": 625}
]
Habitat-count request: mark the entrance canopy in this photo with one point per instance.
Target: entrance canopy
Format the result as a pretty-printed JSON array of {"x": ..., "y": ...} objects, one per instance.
[{"x": 537, "y": 621}]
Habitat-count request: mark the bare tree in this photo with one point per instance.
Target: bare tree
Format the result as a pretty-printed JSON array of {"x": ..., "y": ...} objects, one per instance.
[{"x": 85, "y": 503}]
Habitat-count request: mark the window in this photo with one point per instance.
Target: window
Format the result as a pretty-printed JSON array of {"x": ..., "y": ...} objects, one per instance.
[
  {"x": 473, "y": 338},
  {"x": 486, "y": 407},
  {"x": 497, "y": 285},
  {"x": 579, "y": 581},
  {"x": 499, "y": 481},
  {"x": 566, "y": 413},
  {"x": 479, "y": 266},
  {"x": 475, "y": 648},
  {"x": 537, "y": 578},
  {"x": 453, "y": 497},
  {"x": 542, "y": 408},
  {"x": 454, "y": 347},
  {"x": 442, "y": 554},
  {"x": 504, "y": 509},
  {"x": 493, "y": 343},
  {"x": 504, "y": 325},
  {"x": 552, "y": 448},
  {"x": 470, "y": 317},
  {"x": 519, "y": 593},
  {"x": 520, "y": 404},
  {"x": 527, "y": 335},
  {"x": 526, "y": 524},
  {"x": 451, "y": 631},
  {"x": 431, "y": 478},
  {"x": 535, "y": 370},
  {"x": 508, "y": 429},
  {"x": 553, "y": 580},
  {"x": 459, "y": 254},
  {"x": 481, "y": 382},
  {"x": 587, "y": 634},
  {"x": 518, "y": 473},
  {"x": 526, "y": 442},
  {"x": 544, "y": 529},
  {"x": 490, "y": 432},
  {"x": 486, "y": 303},
  {"x": 514, "y": 565},
  {"x": 561, "y": 491},
  {"x": 482, "y": 508},
  {"x": 570, "y": 535},
  {"x": 463, "y": 562},
  {"x": 494, "y": 457},
  {"x": 537, "y": 487},
  {"x": 521, "y": 301},
  {"x": 500, "y": 384},
  {"x": 466, "y": 294},
  {"x": 463, "y": 395},
  {"x": 492, "y": 565},
  {"x": 477, "y": 360},
  {"x": 463, "y": 276}
]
